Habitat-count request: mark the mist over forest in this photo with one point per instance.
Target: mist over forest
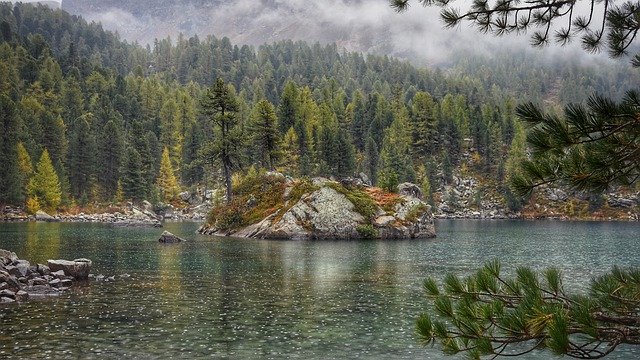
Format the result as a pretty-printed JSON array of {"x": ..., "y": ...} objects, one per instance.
[{"x": 354, "y": 25}]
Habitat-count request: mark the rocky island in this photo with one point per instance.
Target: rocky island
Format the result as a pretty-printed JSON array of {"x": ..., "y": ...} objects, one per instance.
[{"x": 274, "y": 206}]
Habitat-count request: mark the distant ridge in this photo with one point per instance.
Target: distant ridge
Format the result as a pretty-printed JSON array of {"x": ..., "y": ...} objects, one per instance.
[{"x": 54, "y": 4}]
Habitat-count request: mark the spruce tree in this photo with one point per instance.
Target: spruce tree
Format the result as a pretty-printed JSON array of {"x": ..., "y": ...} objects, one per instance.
[
  {"x": 45, "y": 184},
  {"x": 346, "y": 165},
  {"x": 288, "y": 108},
  {"x": 371, "y": 159},
  {"x": 423, "y": 123},
  {"x": 111, "y": 156},
  {"x": 192, "y": 171},
  {"x": 82, "y": 150},
  {"x": 133, "y": 180},
  {"x": 395, "y": 165}
]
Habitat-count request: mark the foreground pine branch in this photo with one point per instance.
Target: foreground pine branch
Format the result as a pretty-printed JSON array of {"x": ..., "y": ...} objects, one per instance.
[{"x": 488, "y": 314}]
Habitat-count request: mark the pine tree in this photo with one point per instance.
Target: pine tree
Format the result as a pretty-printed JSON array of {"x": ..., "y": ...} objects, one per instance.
[
  {"x": 221, "y": 107},
  {"x": 45, "y": 184},
  {"x": 591, "y": 148},
  {"x": 167, "y": 182},
  {"x": 264, "y": 133}
]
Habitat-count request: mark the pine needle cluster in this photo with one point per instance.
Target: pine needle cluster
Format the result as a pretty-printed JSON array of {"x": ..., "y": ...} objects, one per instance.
[{"x": 487, "y": 314}]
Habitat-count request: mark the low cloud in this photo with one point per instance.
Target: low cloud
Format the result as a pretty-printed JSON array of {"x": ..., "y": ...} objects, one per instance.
[{"x": 358, "y": 25}]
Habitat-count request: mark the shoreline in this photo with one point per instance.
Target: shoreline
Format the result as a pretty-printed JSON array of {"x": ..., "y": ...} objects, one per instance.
[{"x": 114, "y": 219}]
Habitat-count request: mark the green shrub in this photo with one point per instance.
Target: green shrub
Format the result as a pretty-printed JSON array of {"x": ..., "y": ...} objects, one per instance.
[{"x": 367, "y": 231}]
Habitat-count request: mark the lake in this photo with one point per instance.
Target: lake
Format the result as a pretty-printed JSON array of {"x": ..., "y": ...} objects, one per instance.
[{"x": 242, "y": 299}]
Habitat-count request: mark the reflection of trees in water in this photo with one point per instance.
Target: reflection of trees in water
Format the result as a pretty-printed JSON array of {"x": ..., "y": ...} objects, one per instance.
[
  {"x": 42, "y": 242},
  {"x": 170, "y": 271}
]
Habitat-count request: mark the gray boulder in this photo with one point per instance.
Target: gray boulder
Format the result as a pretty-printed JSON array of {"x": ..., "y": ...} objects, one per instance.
[
  {"x": 169, "y": 238},
  {"x": 7, "y": 257},
  {"x": 409, "y": 189},
  {"x": 43, "y": 216},
  {"x": 78, "y": 268}
]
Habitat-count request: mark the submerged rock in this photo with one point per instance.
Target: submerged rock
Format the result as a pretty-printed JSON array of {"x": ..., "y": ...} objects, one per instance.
[{"x": 169, "y": 238}]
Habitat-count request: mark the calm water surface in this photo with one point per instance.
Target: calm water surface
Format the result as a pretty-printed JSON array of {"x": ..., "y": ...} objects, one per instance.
[{"x": 242, "y": 299}]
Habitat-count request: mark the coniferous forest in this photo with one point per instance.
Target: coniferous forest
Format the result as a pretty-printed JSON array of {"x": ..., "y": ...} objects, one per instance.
[{"x": 90, "y": 119}]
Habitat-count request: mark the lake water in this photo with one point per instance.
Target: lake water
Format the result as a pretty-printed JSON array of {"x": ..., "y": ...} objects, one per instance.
[{"x": 243, "y": 299}]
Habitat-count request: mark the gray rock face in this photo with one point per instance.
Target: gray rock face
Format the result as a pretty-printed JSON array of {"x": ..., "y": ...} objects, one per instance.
[
  {"x": 409, "y": 189},
  {"x": 323, "y": 214},
  {"x": 169, "y": 238},
  {"x": 328, "y": 214},
  {"x": 43, "y": 216},
  {"x": 78, "y": 268}
]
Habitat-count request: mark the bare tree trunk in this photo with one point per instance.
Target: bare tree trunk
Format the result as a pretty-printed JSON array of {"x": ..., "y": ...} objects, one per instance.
[{"x": 227, "y": 179}]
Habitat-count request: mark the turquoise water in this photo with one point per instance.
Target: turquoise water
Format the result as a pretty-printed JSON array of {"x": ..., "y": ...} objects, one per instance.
[{"x": 241, "y": 299}]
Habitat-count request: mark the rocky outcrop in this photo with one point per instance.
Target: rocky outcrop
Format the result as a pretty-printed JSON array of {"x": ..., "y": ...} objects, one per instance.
[
  {"x": 338, "y": 210},
  {"x": 169, "y": 238},
  {"x": 20, "y": 281}
]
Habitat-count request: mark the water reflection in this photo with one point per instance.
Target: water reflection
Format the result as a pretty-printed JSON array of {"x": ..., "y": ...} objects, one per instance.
[
  {"x": 229, "y": 298},
  {"x": 43, "y": 240}
]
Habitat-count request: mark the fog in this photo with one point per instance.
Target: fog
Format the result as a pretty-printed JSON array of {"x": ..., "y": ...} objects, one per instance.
[{"x": 371, "y": 26}]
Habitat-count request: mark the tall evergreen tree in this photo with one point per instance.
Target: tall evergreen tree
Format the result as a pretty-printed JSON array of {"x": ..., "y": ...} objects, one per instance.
[
  {"x": 220, "y": 106},
  {"x": 133, "y": 180},
  {"x": 288, "y": 108},
  {"x": 192, "y": 169},
  {"x": 423, "y": 123},
  {"x": 371, "y": 159},
  {"x": 111, "y": 156},
  {"x": 82, "y": 150}
]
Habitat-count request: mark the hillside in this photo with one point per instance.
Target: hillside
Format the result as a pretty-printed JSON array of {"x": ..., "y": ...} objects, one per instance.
[{"x": 120, "y": 121}]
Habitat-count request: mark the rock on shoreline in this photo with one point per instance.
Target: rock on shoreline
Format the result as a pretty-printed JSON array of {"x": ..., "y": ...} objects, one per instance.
[{"x": 20, "y": 281}]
